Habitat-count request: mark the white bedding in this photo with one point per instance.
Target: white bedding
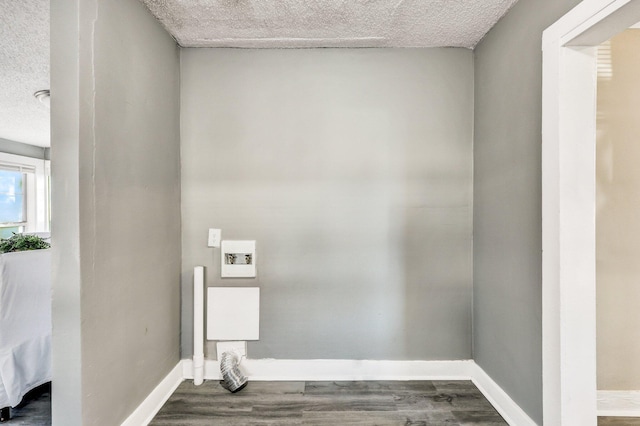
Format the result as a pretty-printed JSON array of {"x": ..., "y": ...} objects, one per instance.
[{"x": 25, "y": 323}]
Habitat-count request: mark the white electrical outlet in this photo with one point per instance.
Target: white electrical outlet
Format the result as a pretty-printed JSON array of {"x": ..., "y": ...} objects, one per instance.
[{"x": 215, "y": 235}]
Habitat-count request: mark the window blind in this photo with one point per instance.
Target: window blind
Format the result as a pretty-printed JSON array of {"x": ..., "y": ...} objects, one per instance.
[{"x": 17, "y": 168}]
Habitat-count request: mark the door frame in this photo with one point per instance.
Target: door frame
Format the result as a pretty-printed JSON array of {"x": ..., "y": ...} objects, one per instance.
[{"x": 568, "y": 206}]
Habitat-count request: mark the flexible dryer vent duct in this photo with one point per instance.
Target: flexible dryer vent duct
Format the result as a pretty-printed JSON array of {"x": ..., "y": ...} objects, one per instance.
[{"x": 233, "y": 378}]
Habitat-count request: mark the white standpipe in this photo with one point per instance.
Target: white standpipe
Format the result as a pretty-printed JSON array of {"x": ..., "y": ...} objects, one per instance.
[{"x": 198, "y": 325}]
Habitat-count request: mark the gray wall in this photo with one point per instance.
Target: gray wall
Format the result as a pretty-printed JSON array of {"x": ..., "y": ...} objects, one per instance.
[
  {"x": 352, "y": 169},
  {"x": 26, "y": 150},
  {"x": 116, "y": 208},
  {"x": 618, "y": 205},
  {"x": 507, "y": 307}
]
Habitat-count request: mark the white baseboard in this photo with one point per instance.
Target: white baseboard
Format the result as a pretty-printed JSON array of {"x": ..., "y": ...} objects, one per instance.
[
  {"x": 156, "y": 399},
  {"x": 619, "y": 403},
  {"x": 333, "y": 370},
  {"x": 501, "y": 401},
  {"x": 344, "y": 370}
]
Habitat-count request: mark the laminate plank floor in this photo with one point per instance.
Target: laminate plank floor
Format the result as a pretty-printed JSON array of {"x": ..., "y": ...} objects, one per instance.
[
  {"x": 36, "y": 410},
  {"x": 368, "y": 403}
]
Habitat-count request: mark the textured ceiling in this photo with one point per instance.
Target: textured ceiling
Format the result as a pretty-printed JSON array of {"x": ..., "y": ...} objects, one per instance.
[
  {"x": 328, "y": 23},
  {"x": 24, "y": 69},
  {"x": 24, "y": 37}
]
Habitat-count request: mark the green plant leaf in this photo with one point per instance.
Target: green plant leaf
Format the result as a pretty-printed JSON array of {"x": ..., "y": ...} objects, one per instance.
[{"x": 22, "y": 242}]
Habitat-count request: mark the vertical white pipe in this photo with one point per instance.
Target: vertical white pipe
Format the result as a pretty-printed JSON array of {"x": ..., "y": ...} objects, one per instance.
[{"x": 198, "y": 325}]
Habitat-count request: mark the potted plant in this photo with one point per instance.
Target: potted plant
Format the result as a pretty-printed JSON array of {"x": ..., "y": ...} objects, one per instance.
[{"x": 23, "y": 242}]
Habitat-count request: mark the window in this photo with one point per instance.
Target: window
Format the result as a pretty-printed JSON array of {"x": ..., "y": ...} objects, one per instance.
[
  {"x": 13, "y": 212},
  {"x": 24, "y": 195}
]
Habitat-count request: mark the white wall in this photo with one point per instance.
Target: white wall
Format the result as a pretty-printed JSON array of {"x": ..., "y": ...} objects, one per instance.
[
  {"x": 352, "y": 170},
  {"x": 116, "y": 209}
]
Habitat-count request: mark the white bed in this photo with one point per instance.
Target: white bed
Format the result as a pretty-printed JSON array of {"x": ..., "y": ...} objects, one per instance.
[{"x": 25, "y": 323}]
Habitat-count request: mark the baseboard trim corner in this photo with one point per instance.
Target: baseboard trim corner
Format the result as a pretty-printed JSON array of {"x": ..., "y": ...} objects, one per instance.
[
  {"x": 147, "y": 410},
  {"x": 501, "y": 401},
  {"x": 619, "y": 403}
]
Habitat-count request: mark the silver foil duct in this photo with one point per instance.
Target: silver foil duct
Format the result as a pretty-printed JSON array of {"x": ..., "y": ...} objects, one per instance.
[{"x": 233, "y": 378}]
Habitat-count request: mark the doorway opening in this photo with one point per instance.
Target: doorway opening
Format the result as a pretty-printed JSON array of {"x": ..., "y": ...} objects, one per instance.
[
  {"x": 617, "y": 227},
  {"x": 568, "y": 205}
]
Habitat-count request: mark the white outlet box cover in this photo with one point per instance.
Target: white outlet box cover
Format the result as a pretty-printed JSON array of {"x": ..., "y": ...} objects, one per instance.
[
  {"x": 233, "y": 313},
  {"x": 240, "y": 348}
]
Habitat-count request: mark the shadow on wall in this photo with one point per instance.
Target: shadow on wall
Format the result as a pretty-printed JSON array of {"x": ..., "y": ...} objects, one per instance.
[{"x": 352, "y": 170}]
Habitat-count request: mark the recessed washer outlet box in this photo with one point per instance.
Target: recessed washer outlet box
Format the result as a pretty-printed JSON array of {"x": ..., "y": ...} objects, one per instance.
[
  {"x": 238, "y": 259},
  {"x": 240, "y": 348}
]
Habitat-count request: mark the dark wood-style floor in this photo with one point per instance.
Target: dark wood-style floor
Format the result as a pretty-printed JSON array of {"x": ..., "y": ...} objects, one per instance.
[
  {"x": 330, "y": 403},
  {"x": 36, "y": 410}
]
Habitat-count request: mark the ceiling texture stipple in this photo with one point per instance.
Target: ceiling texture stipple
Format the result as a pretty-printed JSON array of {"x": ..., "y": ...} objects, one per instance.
[
  {"x": 328, "y": 23},
  {"x": 24, "y": 37},
  {"x": 24, "y": 69}
]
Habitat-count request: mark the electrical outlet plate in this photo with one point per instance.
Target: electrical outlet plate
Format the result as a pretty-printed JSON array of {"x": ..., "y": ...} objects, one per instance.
[
  {"x": 240, "y": 348},
  {"x": 215, "y": 235}
]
